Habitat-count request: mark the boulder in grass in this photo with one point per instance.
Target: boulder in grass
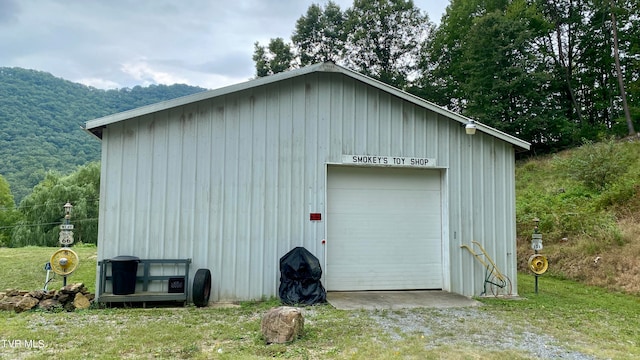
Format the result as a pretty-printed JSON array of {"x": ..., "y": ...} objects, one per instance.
[
  {"x": 64, "y": 298},
  {"x": 37, "y": 294},
  {"x": 282, "y": 324},
  {"x": 73, "y": 289},
  {"x": 14, "y": 292},
  {"x": 52, "y": 294},
  {"x": 81, "y": 302},
  {"x": 49, "y": 304},
  {"x": 27, "y": 303},
  {"x": 9, "y": 302}
]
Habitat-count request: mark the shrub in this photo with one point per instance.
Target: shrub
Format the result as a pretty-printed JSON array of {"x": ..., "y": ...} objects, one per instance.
[{"x": 597, "y": 165}]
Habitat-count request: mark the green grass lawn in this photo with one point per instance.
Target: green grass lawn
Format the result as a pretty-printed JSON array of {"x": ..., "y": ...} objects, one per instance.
[
  {"x": 23, "y": 268},
  {"x": 588, "y": 320}
]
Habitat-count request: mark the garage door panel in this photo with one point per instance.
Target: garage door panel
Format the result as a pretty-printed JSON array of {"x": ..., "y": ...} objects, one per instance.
[
  {"x": 375, "y": 201},
  {"x": 377, "y": 178},
  {"x": 378, "y": 229},
  {"x": 384, "y": 229},
  {"x": 389, "y": 278},
  {"x": 380, "y": 252}
]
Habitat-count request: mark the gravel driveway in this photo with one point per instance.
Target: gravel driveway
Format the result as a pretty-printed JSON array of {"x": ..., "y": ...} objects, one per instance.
[{"x": 472, "y": 327}]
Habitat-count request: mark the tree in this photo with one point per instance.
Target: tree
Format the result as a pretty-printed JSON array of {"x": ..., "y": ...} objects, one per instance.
[
  {"x": 485, "y": 56},
  {"x": 560, "y": 46},
  {"x": 443, "y": 60},
  {"x": 276, "y": 58},
  {"x": 385, "y": 39},
  {"x": 43, "y": 210},
  {"x": 543, "y": 70},
  {"x": 582, "y": 51},
  {"x": 380, "y": 38},
  {"x": 8, "y": 213},
  {"x": 319, "y": 35},
  {"x": 616, "y": 56},
  {"x": 631, "y": 61}
]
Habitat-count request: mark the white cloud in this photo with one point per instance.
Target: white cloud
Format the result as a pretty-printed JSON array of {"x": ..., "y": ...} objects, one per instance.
[
  {"x": 143, "y": 72},
  {"x": 121, "y": 43},
  {"x": 99, "y": 83}
]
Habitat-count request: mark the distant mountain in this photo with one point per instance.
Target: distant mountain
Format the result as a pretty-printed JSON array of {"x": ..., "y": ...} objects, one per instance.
[{"x": 41, "y": 118}]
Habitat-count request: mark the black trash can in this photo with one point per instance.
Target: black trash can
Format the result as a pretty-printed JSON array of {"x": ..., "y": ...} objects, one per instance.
[{"x": 124, "y": 270}]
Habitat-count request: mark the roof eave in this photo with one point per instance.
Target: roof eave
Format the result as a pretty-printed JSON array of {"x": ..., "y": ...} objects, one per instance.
[
  {"x": 181, "y": 101},
  {"x": 93, "y": 125},
  {"x": 519, "y": 143}
]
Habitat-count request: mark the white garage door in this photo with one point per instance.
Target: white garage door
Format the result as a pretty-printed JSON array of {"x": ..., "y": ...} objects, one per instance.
[{"x": 383, "y": 229}]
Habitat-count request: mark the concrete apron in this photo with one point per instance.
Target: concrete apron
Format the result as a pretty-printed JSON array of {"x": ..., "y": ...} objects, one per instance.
[{"x": 392, "y": 300}]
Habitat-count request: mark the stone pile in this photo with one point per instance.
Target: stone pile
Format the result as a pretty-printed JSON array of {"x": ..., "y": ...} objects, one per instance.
[{"x": 69, "y": 298}]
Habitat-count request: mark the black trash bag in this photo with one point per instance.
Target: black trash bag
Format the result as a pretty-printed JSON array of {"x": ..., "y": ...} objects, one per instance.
[{"x": 300, "y": 274}]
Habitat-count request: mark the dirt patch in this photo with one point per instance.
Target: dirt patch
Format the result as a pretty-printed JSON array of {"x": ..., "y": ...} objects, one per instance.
[{"x": 614, "y": 267}]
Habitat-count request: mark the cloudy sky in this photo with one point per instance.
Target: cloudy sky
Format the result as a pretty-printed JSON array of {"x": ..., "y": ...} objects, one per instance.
[{"x": 124, "y": 43}]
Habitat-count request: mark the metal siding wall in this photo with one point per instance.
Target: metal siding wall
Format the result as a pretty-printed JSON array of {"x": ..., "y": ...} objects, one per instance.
[
  {"x": 230, "y": 181},
  {"x": 482, "y": 210},
  {"x": 159, "y": 133}
]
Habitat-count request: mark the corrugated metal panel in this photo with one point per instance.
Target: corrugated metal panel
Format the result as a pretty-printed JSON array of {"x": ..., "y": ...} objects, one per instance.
[
  {"x": 230, "y": 181},
  {"x": 95, "y": 126},
  {"x": 482, "y": 208}
]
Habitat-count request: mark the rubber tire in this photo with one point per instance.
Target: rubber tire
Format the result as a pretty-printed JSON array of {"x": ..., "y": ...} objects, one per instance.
[{"x": 201, "y": 287}]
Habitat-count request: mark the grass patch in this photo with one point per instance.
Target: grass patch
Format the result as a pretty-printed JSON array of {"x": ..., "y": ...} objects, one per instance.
[
  {"x": 590, "y": 319},
  {"x": 565, "y": 317},
  {"x": 23, "y": 268}
]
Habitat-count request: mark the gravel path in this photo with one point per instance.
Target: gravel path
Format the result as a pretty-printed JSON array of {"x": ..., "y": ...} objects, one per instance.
[{"x": 471, "y": 326}]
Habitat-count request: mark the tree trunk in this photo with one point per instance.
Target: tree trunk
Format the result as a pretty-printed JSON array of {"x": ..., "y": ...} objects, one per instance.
[
  {"x": 616, "y": 55},
  {"x": 563, "y": 63}
]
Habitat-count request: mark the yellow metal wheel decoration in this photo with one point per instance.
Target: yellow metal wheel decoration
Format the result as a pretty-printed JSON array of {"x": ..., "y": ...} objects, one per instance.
[
  {"x": 64, "y": 262},
  {"x": 538, "y": 264}
]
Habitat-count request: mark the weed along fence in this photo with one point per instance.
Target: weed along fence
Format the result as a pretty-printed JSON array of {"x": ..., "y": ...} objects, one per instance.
[{"x": 122, "y": 273}]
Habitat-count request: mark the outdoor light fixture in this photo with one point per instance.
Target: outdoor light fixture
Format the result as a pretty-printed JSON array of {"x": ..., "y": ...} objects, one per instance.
[
  {"x": 470, "y": 128},
  {"x": 536, "y": 221},
  {"x": 67, "y": 210}
]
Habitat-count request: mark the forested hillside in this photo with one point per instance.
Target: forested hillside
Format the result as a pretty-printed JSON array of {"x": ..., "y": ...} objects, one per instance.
[
  {"x": 549, "y": 72},
  {"x": 41, "y": 118}
]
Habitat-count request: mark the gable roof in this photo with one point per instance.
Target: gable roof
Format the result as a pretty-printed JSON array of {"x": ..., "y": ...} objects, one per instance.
[{"x": 95, "y": 126}]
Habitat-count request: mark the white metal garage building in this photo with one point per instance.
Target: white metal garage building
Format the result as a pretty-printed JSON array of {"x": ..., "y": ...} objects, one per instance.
[{"x": 383, "y": 187}]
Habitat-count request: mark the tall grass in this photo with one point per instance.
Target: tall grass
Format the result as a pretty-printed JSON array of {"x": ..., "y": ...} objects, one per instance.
[{"x": 582, "y": 197}]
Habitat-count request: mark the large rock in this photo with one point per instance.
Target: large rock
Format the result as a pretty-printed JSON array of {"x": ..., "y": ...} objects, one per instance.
[
  {"x": 27, "y": 303},
  {"x": 64, "y": 298},
  {"x": 16, "y": 292},
  {"x": 68, "y": 306},
  {"x": 73, "y": 289},
  {"x": 282, "y": 324},
  {"x": 49, "y": 304},
  {"x": 37, "y": 294},
  {"x": 81, "y": 302},
  {"x": 9, "y": 302}
]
